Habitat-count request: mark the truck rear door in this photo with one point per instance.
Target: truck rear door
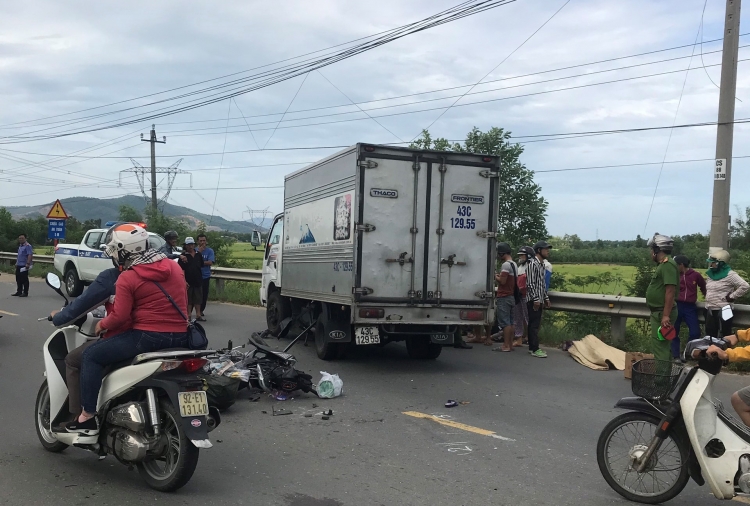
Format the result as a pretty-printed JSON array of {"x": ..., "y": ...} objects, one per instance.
[
  {"x": 459, "y": 259},
  {"x": 424, "y": 227}
]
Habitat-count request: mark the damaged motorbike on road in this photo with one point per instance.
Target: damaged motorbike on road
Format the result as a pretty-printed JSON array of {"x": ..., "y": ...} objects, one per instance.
[
  {"x": 262, "y": 369},
  {"x": 152, "y": 410}
]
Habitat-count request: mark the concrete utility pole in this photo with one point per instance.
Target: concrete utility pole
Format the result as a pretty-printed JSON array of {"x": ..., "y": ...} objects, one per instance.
[
  {"x": 725, "y": 130},
  {"x": 153, "y": 142}
]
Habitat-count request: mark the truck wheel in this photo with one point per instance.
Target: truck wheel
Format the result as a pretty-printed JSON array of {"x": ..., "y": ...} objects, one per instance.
[
  {"x": 277, "y": 310},
  {"x": 420, "y": 348},
  {"x": 73, "y": 284},
  {"x": 324, "y": 349}
]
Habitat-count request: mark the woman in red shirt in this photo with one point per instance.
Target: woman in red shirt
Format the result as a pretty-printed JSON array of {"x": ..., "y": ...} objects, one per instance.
[{"x": 140, "y": 306}]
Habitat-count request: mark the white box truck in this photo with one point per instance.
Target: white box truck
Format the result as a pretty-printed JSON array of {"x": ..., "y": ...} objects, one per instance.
[{"x": 385, "y": 244}]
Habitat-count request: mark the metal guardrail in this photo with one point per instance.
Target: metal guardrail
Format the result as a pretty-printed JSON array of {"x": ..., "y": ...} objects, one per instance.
[
  {"x": 229, "y": 274},
  {"x": 619, "y": 309},
  {"x": 38, "y": 259},
  {"x": 223, "y": 273}
]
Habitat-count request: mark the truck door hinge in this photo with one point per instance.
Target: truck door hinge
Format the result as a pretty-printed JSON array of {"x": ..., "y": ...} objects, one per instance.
[
  {"x": 365, "y": 227},
  {"x": 367, "y": 164},
  {"x": 451, "y": 261},
  {"x": 485, "y": 235},
  {"x": 412, "y": 294},
  {"x": 489, "y": 173},
  {"x": 401, "y": 260},
  {"x": 362, "y": 291},
  {"x": 483, "y": 295}
]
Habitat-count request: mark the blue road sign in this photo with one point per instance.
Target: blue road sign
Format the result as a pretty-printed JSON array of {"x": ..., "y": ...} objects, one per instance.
[{"x": 56, "y": 229}]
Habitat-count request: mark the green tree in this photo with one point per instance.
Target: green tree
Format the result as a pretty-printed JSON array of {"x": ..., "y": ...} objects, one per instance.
[
  {"x": 522, "y": 210},
  {"x": 739, "y": 232},
  {"x": 129, "y": 213},
  {"x": 159, "y": 223}
]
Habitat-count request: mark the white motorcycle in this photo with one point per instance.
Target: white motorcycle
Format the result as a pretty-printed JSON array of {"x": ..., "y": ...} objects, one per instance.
[
  {"x": 153, "y": 411},
  {"x": 675, "y": 430}
]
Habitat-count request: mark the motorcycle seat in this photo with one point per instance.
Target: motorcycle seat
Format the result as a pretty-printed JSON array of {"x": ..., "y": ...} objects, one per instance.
[{"x": 171, "y": 353}]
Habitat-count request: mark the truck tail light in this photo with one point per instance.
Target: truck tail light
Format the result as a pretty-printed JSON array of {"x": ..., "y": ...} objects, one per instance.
[
  {"x": 473, "y": 315},
  {"x": 487, "y": 159},
  {"x": 371, "y": 312}
]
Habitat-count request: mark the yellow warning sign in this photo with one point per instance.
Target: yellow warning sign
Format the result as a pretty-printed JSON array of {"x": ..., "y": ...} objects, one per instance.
[{"x": 57, "y": 211}]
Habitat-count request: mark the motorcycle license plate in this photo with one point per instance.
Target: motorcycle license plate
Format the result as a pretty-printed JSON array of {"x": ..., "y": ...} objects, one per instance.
[
  {"x": 366, "y": 335},
  {"x": 193, "y": 403}
]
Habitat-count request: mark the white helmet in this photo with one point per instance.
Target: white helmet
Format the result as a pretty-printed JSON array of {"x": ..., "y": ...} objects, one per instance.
[
  {"x": 719, "y": 256},
  {"x": 661, "y": 242},
  {"x": 123, "y": 240}
]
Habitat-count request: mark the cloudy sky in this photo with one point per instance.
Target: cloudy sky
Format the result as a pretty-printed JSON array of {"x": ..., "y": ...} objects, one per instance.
[{"x": 60, "y": 58}]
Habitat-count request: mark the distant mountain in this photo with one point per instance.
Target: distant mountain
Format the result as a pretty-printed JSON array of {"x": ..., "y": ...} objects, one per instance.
[{"x": 85, "y": 208}]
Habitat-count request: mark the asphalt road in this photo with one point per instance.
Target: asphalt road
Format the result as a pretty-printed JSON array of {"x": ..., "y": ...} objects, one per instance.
[{"x": 547, "y": 414}]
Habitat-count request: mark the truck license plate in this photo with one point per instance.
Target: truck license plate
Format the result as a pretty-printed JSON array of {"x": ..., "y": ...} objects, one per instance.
[
  {"x": 366, "y": 335},
  {"x": 193, "y": 403}
]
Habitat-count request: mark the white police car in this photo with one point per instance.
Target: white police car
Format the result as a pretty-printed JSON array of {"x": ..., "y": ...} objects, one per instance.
[{"x": 80, "y": 264}]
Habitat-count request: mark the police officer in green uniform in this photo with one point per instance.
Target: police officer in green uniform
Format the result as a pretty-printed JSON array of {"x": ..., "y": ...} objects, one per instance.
[{"x": 662, "y": 293}]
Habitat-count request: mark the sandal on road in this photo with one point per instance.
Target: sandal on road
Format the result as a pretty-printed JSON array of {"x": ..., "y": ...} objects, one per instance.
[{"x": 502, "y": 349}]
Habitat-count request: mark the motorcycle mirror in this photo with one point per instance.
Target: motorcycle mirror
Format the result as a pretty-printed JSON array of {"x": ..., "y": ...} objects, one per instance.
[{"x": 53, "y": 281}]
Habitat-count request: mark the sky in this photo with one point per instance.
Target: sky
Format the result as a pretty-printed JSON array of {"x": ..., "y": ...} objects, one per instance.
[{"x": 59, "y": 58}]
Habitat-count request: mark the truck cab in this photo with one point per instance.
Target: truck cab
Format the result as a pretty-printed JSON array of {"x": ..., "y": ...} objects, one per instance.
[{"x": 277, "y": 308}]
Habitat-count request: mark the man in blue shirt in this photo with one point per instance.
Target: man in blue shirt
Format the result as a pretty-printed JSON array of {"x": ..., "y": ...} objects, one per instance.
[
  {"x": 23, "y": 264},
  {"x": 209, "y": 257}
]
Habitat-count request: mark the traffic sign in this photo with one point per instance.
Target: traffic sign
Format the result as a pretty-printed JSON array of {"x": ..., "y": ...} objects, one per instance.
[
  {"x": 56, "y": 229},
  {"x": 57, "y": 211}
]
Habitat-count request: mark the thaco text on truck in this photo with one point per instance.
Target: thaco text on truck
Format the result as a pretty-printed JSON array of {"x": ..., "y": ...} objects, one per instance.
[{"x": 385, "y": 244}]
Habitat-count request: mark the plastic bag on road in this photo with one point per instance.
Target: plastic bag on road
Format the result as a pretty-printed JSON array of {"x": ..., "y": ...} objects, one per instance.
[{"x": 330, "y": 386}]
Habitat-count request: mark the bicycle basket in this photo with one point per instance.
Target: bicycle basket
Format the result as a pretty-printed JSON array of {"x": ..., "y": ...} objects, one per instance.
[{"x": 654, "y": 379}]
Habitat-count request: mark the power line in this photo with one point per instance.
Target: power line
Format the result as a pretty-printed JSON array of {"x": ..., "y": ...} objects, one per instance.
[
  {"x": 550, "y": 136},
  {"x": 671, "y": 130},
  {"x": 485, "y": 82},
  {"x": 358, "y": 107},
  {"x": 496, "y": 66},
  {"x": 545, "y": 92},
  {"x": 212, "y": 79},
  {"x": 287, "y": 109},
  {"x": 246, "y": 123},
  {"x": 223, "y": 150},
  {"x": 267, "y": 78}
]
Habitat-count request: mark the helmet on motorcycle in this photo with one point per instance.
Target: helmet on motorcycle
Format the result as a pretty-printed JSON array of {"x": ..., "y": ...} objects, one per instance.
[
  {"x": 123, "y": 240},
  {"x": 660, "y": 242},
  {"x": 170, "y": 235}
]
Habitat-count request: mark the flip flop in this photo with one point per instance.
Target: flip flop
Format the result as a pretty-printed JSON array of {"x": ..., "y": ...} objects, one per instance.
[{"x": 501, "y": 349}]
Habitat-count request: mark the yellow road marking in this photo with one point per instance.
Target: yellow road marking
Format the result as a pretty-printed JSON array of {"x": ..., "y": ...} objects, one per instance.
[
  {"x": 456, "y": 425},
  {"x": 9, "y": 314}
]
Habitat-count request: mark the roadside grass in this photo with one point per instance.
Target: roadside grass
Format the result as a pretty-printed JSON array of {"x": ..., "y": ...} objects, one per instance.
[
  {"x": 38, "y": 271},
  {"x": 236, "y": 292},
  {"x": 244, "y": 256},
  {"x": 587, "y": 278}
]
